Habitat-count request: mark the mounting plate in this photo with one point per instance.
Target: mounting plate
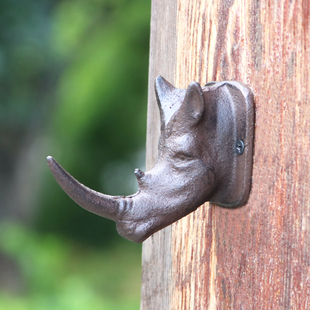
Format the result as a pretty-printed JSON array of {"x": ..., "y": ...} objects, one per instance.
[{"x": 234, "y": 135}]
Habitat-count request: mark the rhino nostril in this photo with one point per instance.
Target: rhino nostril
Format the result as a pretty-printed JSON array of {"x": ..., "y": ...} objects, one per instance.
[{"x": 139, "y": 173}]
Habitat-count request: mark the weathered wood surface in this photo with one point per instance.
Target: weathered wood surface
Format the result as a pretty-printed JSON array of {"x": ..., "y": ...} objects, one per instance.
[
  {"x": 257, "y": 256},
  {"x": 156, "y": 255}
]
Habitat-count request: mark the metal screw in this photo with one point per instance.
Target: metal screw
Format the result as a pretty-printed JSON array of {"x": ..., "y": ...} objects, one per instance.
[{"x": 240, "y": 147}]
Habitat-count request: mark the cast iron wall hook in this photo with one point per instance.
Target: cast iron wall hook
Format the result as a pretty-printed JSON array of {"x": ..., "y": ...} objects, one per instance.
[{"x": 205, "y": 154}]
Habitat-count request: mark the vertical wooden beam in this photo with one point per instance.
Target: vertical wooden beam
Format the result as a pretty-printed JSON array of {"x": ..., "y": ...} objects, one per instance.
[
  {"x": 156, "y": 254},
  {"x": 257, "y": 256}
]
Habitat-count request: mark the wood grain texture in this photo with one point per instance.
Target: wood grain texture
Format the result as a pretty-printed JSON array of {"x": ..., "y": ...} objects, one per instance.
[
  {"x": 257, "y": 256},
  {"x": 156, "y": 253}
]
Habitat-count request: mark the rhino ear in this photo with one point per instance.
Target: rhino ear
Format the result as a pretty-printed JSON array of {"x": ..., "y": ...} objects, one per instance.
[
  {"x": 194, "y": 104},
  {"x": 169, "y": 99}
]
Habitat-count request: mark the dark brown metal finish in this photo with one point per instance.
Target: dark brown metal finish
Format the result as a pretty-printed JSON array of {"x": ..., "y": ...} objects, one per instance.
[{"x": 205, "y": 154}]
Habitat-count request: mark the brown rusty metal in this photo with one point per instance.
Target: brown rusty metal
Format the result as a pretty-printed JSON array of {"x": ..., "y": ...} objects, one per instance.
[{"x": 205, "y": 154}]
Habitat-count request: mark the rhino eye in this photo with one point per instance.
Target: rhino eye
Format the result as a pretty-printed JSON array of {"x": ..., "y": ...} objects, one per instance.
[{"x": 184, "y": 156}]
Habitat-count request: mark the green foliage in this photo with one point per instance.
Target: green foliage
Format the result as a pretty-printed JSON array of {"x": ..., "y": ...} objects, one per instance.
[
  {"x": 63, "y": 275},
  {"x": 74, "y": 76},
  {"x": 99, "y": 122},
  {"x": 27, "y": 64},
  {"x": 28, "y": 70}
]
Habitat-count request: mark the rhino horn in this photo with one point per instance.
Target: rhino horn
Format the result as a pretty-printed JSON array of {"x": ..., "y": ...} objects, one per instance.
[{"x": 93, "y": 201}]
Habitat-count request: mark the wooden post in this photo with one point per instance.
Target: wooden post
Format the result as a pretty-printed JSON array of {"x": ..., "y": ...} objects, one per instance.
[{"x": 257, "y": 256}]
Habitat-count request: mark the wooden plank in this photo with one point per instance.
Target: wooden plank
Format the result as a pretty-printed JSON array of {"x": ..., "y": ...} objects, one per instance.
[
  {"x": 260, "y": 258},
  {"x": 257, "y": 256},
  {"x": 156, "y": 253}
]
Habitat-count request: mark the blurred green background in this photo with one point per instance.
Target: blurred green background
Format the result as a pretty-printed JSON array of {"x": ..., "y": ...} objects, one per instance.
[{"x": 73, "y": 77}]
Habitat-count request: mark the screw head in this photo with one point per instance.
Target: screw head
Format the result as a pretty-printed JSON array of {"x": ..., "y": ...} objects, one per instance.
[{"x": 240, "y": 147}]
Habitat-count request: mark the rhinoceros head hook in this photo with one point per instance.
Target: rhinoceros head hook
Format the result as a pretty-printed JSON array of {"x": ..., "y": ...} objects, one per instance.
[{"x": 205, "y": 154}]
